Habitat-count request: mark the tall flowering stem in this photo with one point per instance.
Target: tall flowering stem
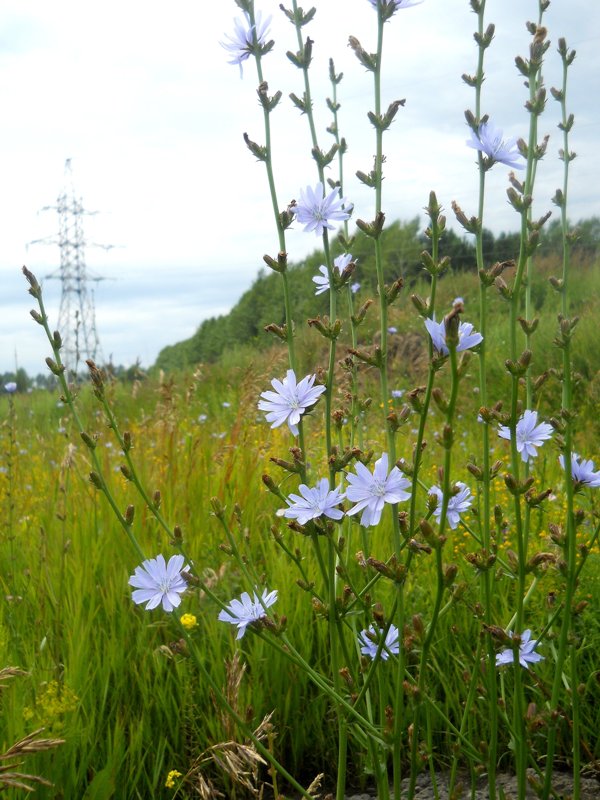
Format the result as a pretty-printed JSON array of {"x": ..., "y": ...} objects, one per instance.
[
  {"x": 536, "y": 103},
  {"x": 435, "y": 266},
  {"x": 333, "y": 129},
  {"x": 437, "y": 540},
  {"x": 355, "y": 409},
  {"x": 282, "y": 219},
  {"x": 520, "y": 196},
  {"x": 340, "y": 143},
  {"x": 563, "y": 340},
  {"x": 484, "y": 38},
  {"x": 383, "y": 305},
  {"x": 332, "y": 349},
  {"x": 374, "y": 230},
  {"x": 302, "y": 60}
]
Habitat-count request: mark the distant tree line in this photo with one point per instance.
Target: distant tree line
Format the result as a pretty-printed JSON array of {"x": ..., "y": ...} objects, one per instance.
[
  {"x": 402, "y": 245},
  {"x": 43, "y": 380}
]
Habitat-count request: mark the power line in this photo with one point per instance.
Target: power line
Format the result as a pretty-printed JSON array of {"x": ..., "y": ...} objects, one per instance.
[{"x": 76, "y": 315}]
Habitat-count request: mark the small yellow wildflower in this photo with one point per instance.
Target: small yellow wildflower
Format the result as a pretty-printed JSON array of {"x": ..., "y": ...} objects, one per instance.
[
  {"x": 173, "y": 774},
  {"x": 188, "y": 621}
]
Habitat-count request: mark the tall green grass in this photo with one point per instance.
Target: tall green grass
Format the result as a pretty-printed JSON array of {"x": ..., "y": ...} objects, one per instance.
[{"x": 111, "y": 679}]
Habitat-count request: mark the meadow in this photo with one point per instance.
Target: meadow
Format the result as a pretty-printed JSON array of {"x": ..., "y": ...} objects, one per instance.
[
  {"x": 177, "y": 621},
  {"x": 115, "y": 683}
]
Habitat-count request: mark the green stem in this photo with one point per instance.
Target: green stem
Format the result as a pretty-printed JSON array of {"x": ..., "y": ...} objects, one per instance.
[
  {"x": 335, "y": 634},
  {"x": 331, "y": 365},
  {"x": 391, "y": 441},
  {"x": 289, "y": 323},
  {"x": 440, "y": 584},
  {"x": 491, "y": 678},
  {"x": 570, "y": 545},
  {"x": 519, "y": 736},
  {"x": 354, "y": 409},
  {"x": 307, "y": 92}
]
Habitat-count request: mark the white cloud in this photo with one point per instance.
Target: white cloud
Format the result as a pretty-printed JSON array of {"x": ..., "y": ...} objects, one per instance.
[{"x": 141, "y": 98}]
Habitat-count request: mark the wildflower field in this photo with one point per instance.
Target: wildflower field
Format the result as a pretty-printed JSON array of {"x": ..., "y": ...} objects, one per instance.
[{"x": 337, "y": 562}]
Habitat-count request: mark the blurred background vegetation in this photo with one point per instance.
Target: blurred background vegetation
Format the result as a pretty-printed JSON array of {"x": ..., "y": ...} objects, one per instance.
[{"x": 403, "y": 243}]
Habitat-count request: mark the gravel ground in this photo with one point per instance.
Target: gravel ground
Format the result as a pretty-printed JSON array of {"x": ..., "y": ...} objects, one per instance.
[{"x": 563, "y": 782}]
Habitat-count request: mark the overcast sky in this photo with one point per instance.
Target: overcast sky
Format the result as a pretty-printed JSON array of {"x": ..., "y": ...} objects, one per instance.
[{"x": 140, "y": 96}]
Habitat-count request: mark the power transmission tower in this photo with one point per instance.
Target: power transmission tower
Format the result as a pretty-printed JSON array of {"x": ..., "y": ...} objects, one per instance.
[{"x": 76, "y": 316}]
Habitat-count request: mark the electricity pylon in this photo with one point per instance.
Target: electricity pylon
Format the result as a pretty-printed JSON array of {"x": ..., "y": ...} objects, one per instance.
[{"x": 76, "y": 315}]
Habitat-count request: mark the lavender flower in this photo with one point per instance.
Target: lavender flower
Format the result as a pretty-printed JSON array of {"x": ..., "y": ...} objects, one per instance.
[
  {"x": 10, "y": 387},
  {"x": 313, "y": 503},
  {"x": 371, "y": 491},
  {"x": 247, "y": 39},
  {"x": 157, "y": 582},
  {"x": 489, "y": 141},
  {"x": 582, "y": 471},
  {"x": 397, "y": 393},
  {"x": 529, "y": 434},
  {"x": 341, "y": 262},
  {"x": 355, "y": 287},
  {"x": 457, "y": 504},
  {"x": 527, "y": 654},
  {"x": 246, "y": 610},
  {"x": 369, "y": 642},
  {"x": 467, "y": 337},
  {"x": 322, "y": 280},
  {"x": 290, "y": 400},
  {"x": 316, "y": 210}
]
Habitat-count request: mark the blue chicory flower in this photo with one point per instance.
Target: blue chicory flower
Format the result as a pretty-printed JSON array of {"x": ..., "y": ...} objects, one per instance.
[
  {"x": 527, "y": 654},
  {"x": 247, "y": 610},
  {"x": 158, "y": 582},
  {"x": 290, "y": 400},
  {"x": 489, "y": 141},
  {"x": 370, "y": 491},
  {"x": 316, "y": 210},
  {"x": 370, "y": 639},
  {"x": 467, "y": 337},
  {"x": 582, "y": 471},
  {"x": 246, "y": 39},
  {"x": 529, "y": 434},
  {"x": 314, "y": 503}
]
